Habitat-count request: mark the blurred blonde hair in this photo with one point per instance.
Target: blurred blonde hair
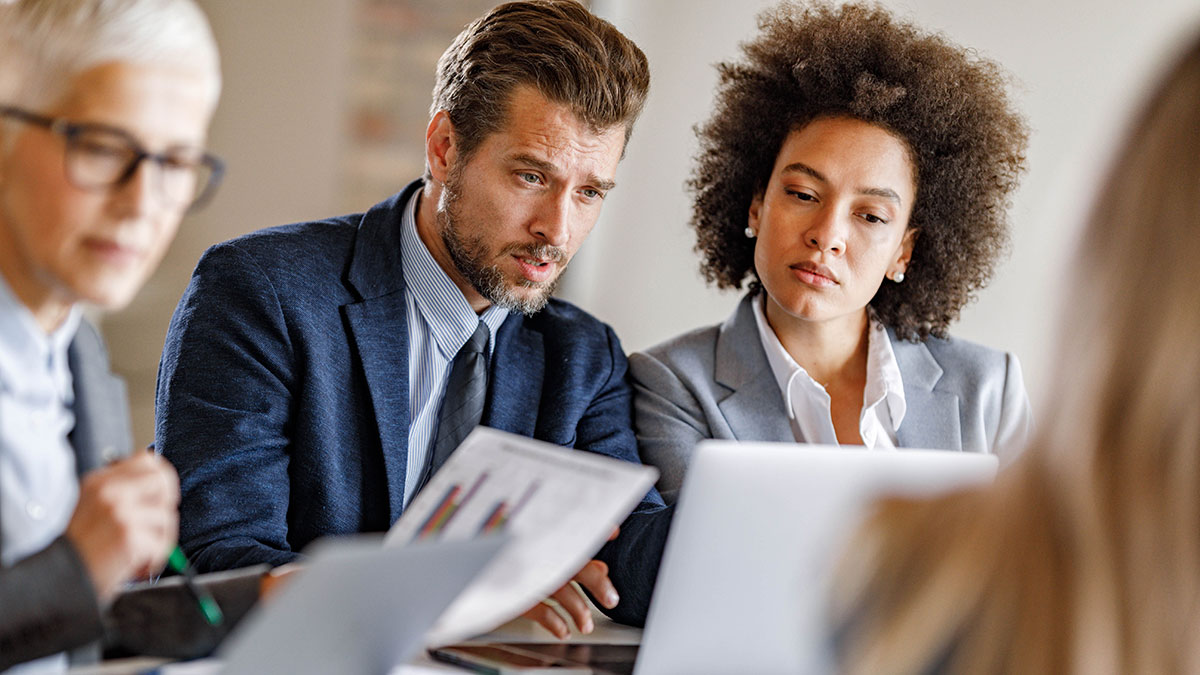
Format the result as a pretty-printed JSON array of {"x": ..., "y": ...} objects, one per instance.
[{"x": 1085, "y": 556}]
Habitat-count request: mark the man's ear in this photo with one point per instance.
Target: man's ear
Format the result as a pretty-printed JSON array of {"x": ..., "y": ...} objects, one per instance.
[{"x": 441, "y": 147}]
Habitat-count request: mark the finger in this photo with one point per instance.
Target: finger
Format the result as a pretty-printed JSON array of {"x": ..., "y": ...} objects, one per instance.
[
  {"x": 545, "y": 615},
  {"x": 615, "y": 533},
  {"x": 154, "y": 485},
  {"x": 154, "y": 534},
  {"x": 594, "y": 577},
  {"x": 571, "y": 599},
  {"x": 170, "y": 478}
]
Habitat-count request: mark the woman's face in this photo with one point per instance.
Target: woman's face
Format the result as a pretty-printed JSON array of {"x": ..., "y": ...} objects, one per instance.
[
  {"x": 833, "y": 220},
  {"x": 61, "y": 244}
]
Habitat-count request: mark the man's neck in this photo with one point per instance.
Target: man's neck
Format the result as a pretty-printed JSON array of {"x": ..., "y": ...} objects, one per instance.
[{"x": 427, "y": 230}]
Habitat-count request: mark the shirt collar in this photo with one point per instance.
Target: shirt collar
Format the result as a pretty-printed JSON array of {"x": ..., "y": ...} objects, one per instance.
[
  {"x": 884, "y": 382},
  {"x": 28, "y": 351},
  {"x": 883, "y": 374},
  {"x": 443, "y": 306},
  {"x": 783, "y": 366}
]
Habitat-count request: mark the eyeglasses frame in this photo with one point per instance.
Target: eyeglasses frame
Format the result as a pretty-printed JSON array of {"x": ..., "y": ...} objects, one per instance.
[{"x": 69, "y": 130}]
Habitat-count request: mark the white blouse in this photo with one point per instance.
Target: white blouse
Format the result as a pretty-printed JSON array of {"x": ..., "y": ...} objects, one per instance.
[{"x": 808, "y": 404}]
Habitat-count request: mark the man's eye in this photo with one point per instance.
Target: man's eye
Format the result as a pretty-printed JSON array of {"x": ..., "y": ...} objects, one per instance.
[
  {"x": 530, "y": 177},
  {"x": 592, "y": 193}
]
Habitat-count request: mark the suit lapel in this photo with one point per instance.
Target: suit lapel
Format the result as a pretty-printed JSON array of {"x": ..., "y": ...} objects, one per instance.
[
  {"x": 515, "y": 391},
  {"x": 102, "y": 433},
  {"x": 379, "y": 330},
  {"x": 380, "y": 333},
  {"x": 931, "y": 420},
  {"x": 754, "y": 408}
]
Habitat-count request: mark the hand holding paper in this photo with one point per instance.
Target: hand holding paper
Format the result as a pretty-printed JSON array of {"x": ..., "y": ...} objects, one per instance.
[
  {"x": 558, "y": 506},
  {"x": 593, "y": 577}
]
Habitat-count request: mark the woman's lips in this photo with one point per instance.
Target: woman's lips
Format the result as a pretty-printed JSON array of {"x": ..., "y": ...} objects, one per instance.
[
  {"x": 114, "y": 252},
  {"x": 814, "y": 274}
]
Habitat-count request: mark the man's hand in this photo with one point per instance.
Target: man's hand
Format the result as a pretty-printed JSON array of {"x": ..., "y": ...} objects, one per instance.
[
  {"x": 593, "y": 577},
  {"x": 126, "y": 521}
]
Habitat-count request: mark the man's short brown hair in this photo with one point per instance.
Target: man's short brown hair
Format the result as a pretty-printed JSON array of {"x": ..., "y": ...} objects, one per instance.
[{"x": 557, "y": 47}]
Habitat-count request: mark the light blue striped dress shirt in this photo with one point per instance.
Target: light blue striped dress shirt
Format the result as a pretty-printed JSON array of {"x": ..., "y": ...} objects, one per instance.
[
  {"x": 38, "y": 488},
  {"x": 440, "y": 321}
]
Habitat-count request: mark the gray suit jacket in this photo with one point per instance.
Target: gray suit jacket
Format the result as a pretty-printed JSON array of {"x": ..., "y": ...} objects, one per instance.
[
  {"x": 47, "y": 602},
  {"x": 716, "y": 382}
]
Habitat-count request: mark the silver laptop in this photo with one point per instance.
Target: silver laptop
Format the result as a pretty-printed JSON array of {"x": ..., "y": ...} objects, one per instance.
[
  {"x": 757, "y": 530},
  {"x": 357, "y": 607}
]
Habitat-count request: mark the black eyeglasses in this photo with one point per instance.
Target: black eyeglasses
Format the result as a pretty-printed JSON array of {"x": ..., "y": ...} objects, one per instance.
[{"x": 99, "y": 157}]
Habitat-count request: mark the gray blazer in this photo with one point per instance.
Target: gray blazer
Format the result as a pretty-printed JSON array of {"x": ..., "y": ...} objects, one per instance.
[
  {"x": 716, "y": 382},
  {"x": 47, "y": 602}
]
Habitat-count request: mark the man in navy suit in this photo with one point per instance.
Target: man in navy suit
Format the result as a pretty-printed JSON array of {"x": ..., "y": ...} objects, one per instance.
[{"x": 306, "y": 365}]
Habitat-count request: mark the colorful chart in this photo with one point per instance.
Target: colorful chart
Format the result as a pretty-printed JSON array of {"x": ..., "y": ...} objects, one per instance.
[
  {"x": 500, "y": 514},
  {"x": 447, "y": 508}
]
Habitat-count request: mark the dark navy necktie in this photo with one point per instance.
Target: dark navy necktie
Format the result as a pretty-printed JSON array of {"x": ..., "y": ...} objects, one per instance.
[{"x": 462, "y": 404}]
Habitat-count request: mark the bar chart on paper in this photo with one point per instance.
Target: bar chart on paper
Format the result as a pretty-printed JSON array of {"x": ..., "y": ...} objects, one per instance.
[
  {"x": 556, "y": 505},
  {"x": 456, "y": 497}
]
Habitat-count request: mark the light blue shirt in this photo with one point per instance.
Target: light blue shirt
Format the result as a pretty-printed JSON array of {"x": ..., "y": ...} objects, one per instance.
[
  {"x": 38, "y": 487},
  {"x": 440, "y": 321}
]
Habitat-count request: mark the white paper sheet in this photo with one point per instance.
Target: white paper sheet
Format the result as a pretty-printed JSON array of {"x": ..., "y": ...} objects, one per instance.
[{"x": 557, "y": 505}]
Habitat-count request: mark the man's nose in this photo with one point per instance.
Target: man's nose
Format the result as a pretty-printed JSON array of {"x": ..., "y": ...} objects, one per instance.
[{"x": 553, "y": 222}]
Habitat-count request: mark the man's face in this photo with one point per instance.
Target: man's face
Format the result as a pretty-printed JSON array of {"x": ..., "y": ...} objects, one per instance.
[
  {"x": 61, "y": 244},
  {"x": 512, "y": 216}
]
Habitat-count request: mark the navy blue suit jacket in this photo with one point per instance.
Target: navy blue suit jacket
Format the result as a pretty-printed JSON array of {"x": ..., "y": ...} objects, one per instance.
[{"x": 283, "y": 396}]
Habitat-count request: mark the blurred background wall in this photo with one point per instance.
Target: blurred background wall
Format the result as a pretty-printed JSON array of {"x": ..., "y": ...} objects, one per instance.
[{"x": 326, "y": 101}]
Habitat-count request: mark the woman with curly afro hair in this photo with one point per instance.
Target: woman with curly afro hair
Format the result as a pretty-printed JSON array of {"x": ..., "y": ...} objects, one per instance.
[{"x": 856, "y": 172}]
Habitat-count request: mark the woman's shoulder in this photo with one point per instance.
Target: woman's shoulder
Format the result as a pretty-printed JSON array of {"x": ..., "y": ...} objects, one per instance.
[
  {"x": 691, "y": 352},
  {"x": 696, "y": 351},
  {"x": 960, "y": 358},
  {"x": 964, "y": 365}
]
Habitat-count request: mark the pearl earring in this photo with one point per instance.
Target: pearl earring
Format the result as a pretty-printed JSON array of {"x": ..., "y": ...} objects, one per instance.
[
  {"x": 898, "y": 277},
  {"x": 749, "y": 232}
]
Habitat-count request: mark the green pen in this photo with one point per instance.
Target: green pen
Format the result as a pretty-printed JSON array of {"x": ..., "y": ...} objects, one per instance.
[{"x": 178, "y": 562}]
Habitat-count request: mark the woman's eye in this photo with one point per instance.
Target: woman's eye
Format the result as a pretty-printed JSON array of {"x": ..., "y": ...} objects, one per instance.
[
  {"x": 802, "y": 196},
  {"x": 101, "y": 149},
  {"x": 872, "y": 218}
]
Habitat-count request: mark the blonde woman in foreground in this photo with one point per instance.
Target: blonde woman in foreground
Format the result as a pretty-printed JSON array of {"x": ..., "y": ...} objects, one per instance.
[{"x": 1085, "y": 557}]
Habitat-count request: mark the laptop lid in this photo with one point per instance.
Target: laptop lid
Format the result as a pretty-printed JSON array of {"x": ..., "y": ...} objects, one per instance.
[
  {"x": 357, "y": 607},
  {"x": 758, "y": 527}
]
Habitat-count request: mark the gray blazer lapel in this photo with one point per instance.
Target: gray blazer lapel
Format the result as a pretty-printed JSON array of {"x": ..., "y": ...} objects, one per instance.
[
  {"x": 102, "y": 433},
  {"x": 932, "y": 416},
  {"x": 754, "y": 408}
]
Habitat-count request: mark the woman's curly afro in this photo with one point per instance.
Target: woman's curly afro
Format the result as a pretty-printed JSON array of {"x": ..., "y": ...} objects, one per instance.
[{"x": 947, "y": 103}]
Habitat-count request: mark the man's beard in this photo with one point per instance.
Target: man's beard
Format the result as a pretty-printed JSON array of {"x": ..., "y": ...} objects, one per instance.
[{"x": 469, "y": 254}]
